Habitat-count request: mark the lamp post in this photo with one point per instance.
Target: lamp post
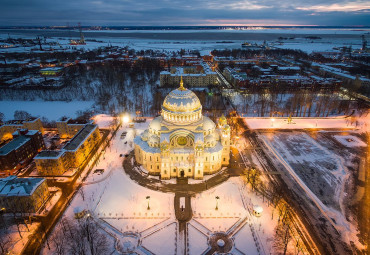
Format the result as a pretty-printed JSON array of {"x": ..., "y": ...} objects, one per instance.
[
  {"x": 272, "y": 122},
  {"x": 217, "y": 198},
  {"x": 148, "y": 199},
  {"x": 125, "y": 119}
]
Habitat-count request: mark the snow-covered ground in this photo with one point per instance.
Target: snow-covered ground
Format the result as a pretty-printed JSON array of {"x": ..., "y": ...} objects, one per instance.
[
  {"x": 13, "y": 239},
  {"x": 350, "y": 141},
  {"x": 52, "y": 110},
  {"x": 321, "y": 173},
  {"x": 298, "y": 123}
]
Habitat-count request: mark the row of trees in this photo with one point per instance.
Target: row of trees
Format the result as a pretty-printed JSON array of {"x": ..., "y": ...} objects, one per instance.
[
  {"x": 303, "y": 103},
  {"x": 78, "y": 237}
]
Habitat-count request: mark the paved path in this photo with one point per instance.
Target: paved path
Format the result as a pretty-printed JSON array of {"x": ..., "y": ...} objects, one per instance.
[{"x": 189, "y": 189}]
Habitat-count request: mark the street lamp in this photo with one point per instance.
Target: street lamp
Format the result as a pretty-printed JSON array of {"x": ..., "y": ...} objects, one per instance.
[
  {"x": 148, "y": 199},
  {"x": 272, "y": 122},
  {"x": 125, "y": 119},
  {"x": 217, "y": 198}
]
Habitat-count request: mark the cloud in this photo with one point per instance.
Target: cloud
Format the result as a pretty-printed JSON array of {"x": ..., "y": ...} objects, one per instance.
[
  {"x": 347, "y": 7},
  {"x": 180, "y": 12}
]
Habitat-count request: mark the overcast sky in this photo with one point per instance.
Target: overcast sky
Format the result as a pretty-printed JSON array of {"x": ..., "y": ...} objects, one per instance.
[{"x": 181, "y": 12}]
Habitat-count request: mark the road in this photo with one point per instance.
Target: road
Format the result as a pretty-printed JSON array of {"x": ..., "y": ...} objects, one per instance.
[{"x": 69, "y": 189}]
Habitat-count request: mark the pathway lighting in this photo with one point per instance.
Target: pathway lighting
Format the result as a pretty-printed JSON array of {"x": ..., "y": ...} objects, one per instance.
[{"x": 148, "y": 199}]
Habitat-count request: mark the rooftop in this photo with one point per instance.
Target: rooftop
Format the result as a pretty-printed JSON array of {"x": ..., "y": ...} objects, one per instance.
[
  {"x": 78, "y": 139},
  {"x": 49, "y": 154},
  {"x": 20, "y": 122},
  {"x": 14, "y": 186},
  {"x": 14, "y": 144}
]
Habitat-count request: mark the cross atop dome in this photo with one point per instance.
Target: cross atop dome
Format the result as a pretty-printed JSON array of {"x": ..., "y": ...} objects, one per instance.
[{"x": 182, "y": 85}]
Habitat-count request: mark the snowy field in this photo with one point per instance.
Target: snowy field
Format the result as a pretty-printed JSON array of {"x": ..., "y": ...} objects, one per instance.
[
  {"x": 298, "y": 123},
  {"x": 52, "y": 110},
  {"x": 320, "y": 172}
]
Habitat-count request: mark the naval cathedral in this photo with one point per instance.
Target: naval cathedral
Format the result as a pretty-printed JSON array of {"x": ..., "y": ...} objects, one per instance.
[{"x": 182, "y": 142}]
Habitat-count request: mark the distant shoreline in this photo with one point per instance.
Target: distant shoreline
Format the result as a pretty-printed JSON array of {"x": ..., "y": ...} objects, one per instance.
[{"x": 193, "y": 35}]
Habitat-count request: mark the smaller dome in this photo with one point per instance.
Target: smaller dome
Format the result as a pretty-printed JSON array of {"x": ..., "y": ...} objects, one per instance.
[
  {"x": 155, "y": 125},
  {"x": 208, "y": 124},
  {"x": 226, "y": 127},
  {"x": 145, "y": 135},
  {"x": 210, "y": 140},
  {"x": 153, "y": 140}
]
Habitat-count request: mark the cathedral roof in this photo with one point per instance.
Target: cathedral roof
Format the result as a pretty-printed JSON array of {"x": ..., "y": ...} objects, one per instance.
[
  {"x": 181, "y": 100},
  {"x": 208, "y": 124}
]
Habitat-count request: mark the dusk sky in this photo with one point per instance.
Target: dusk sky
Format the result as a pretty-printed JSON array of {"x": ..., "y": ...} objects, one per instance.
[{"x": 189, "y": 12}]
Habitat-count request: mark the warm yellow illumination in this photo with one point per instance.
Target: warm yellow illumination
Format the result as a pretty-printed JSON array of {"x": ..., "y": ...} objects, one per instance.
[{"x": 126, "y": 119}]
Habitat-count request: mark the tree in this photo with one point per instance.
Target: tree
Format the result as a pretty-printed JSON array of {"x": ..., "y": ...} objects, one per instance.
[
  {"x": 2, "y": 117},
  {"x": 21, "y": 115},
  {"x": 79, "y": 237}
]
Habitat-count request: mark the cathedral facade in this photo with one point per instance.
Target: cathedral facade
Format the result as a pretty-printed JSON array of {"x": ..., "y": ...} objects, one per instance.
[{"x": 182, "y": 142}]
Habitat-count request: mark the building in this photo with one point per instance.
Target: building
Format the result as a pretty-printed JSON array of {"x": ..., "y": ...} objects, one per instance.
[
  {"x": 195, "y": 76},
  {"x": 23, "y": 195},
  {"x": 72, "y": 155},
  {"x": 51, "y": 71},
  {"x": 68, "y": 128},
  {"x": 51, "y": 163},
  {"x": 21, "y": 150},
  {"x": 80, "y": 146},
  {"x": 182, "y": 142},
  {"x": 9, "y": 127}
]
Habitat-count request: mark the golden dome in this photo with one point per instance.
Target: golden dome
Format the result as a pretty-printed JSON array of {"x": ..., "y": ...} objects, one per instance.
[{"x": 181, "y": 106}]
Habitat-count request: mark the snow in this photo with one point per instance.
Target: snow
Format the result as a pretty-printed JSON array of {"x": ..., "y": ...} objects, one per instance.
[
  {"x": 197, "y": 240},
  {"x": 350, "y": 141},
  {"x": 53, "y": 110},
  {"x": 16, "y": 243},
  {"x": 162, "y": 241},
  {"x": 298, "y": 123},
  {"x": 320, "y": 173},
  {"x": 103, "y": 120},
  {"x": 243, "y": 241}
]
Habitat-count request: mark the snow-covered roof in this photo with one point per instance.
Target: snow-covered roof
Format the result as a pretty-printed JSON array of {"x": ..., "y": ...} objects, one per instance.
[
  {"x": 217, "y": 148},
  {"x": 208, "y": 124},
  {"x": 14, "y": 144},
  {"x": 145, "y": 146},
  {"x": 14, "y": 186}
]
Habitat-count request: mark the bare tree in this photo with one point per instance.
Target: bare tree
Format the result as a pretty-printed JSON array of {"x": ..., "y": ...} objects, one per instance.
[{"x": 21, "y": 115}]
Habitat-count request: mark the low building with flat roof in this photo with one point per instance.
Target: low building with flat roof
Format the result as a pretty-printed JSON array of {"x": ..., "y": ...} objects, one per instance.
[
  {"x": 72, "y": 155},
  {"x": 51, "y": 163},
  {"x": 21, "y": 150},
  {"x": 9, "y": 127},
  {"x": 67, "y": 127},
  {"x": 199, "y": 75},
  {"x": 23, "y": 195}
]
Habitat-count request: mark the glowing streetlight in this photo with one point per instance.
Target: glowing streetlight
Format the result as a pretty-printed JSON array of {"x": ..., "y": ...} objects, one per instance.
[
  {"x": 148, "y": 199},
  {"x": 217, "y": 198},
  {"x": 272, "y": 122},
  {"x": 125, "y": 119}
]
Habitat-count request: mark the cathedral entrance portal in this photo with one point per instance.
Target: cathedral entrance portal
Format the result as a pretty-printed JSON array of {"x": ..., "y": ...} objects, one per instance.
[{"x": 182, "y": 173}]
